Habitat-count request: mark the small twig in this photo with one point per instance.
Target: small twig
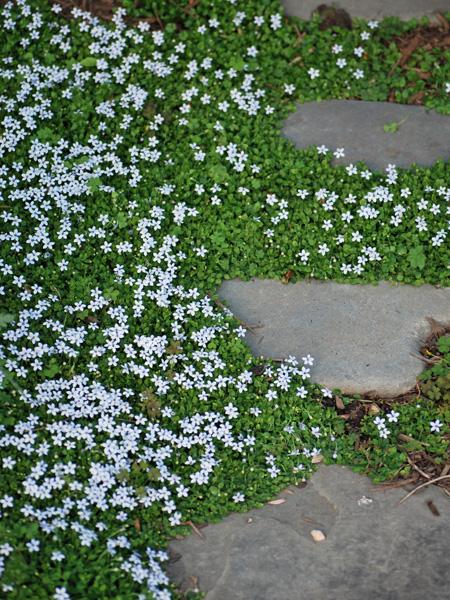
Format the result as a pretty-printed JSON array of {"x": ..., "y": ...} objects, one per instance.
[
  {"x": 429, "y": 361},
  {"x": 419, "y": 487},
  {"x": 370, "y": 401},
  {"x": 197, "y": 531},
  {"x": 395, "y": 484},
  {"x": 419, "y": 470},
  {"x": 296, "y": 59},
  {"x": 300, "y": 36},
  {"x": 251, "y": 327},
  {"x": 408, "y": 438}
]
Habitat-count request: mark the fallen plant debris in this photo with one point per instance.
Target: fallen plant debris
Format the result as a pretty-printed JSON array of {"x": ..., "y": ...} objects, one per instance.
[
  {"x": 332, "y": 16},
  {"x": 423, "y": 485},
  {"x": 417, "y": 49},
  {"x": 415, "y": 452},
  {"x": 433, "y": 509}
]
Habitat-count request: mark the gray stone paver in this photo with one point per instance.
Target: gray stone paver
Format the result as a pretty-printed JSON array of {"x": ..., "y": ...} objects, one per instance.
[
  {"x": 370, "y": 9},
  {"x": 361, "y": 336},
  {"x": 373, "y": 551},
  {"x": 422, "y": 138}
]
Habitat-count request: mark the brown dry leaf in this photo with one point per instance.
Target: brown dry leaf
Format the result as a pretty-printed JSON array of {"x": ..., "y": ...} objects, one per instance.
[
  {"x": 258, "y": 369},
  {"x": 287, "y": 277},
  {"x": 444, "y": 43},
  {"x": 194, "y": 581},
  {"x": 446, "y": 469},
  {"x": 417, "y": 98},
  {"x": 296, "y": 59},
  {"x": 339, "y": 403},
  {"x": 277, "y": 502},
  {"x": 308, "y": 520},
  {"x": 137, "y": 525},
  {"x": 409, "y": 49},
  {"x": 318, "y": 458},
  {"x": 333, "y": 16},
  {"x": 194, "y": 528},
  {"x": 373, "y": 409},
  {"x": 437, "y": 329},
  {"x": 433, "y": 509},
  {"x": 406, "y": 52},
  {"x": 422, "y": 74},
  {"x": 444, "y": 24}
]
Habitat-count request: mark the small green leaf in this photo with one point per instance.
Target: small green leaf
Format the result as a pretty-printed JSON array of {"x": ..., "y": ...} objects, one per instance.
[
  {"x": 89, "y": 61},
  {"x": 6, "y": 319},
  {"x": 52, "y": 369},
  {"x": 218, "y": 173},
  {"x": 45, "y": 134},
  {"x": 237, "y": 63},
  {"x": 122, "y": 220},
  {"x": 94, "y": 183},
  {"x": 391, "y": 127},
  {"x": 417, "y": 257}
]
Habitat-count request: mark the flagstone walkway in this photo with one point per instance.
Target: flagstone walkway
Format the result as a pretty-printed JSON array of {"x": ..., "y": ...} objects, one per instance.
[
  {"x": 422, "y": 136},
  {"x": 374, "y": 548},
  {"x": 363, "y": 337}
]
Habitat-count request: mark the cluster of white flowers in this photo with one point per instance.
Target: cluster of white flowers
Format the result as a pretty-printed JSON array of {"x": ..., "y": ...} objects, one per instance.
[
  {"x": 343, "y": 213},
  {"x": 354, "y": 61},
  {"x": 380, "y": 422},
  {"x": 50, "y": 219}
]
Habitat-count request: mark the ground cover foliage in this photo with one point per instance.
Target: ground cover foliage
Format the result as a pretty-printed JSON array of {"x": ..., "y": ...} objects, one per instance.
[{"x": 139, "y": 169}]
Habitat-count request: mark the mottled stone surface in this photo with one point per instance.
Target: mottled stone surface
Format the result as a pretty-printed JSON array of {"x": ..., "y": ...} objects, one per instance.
[
  {"x": 362, "y": 337},
  {"x": 422, "y": 137},
  {"x": 370, "y": 9},
  {"x": 376, "y": 550}
]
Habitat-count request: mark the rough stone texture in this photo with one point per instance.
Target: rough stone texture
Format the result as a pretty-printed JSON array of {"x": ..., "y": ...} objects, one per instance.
[
  {"x": 370, "y": 9},
  {"x": 374, "y": 551},
  {"x": 361, "y": 336},
  {"x": 422, "y": 138}
]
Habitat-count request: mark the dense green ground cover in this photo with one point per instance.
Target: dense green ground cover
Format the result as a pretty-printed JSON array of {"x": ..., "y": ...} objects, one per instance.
[
  {"x": 139, "y": 169},
  {"x": 424, "y": 75}
]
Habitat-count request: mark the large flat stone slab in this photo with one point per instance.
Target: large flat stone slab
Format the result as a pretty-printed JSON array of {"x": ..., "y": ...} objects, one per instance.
[
  {"x": 375, "y": 549},
  {"x": 422, "y": 137},
  {"x": 361, "y": 336},
  {"x": 370, "y": 9}
]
